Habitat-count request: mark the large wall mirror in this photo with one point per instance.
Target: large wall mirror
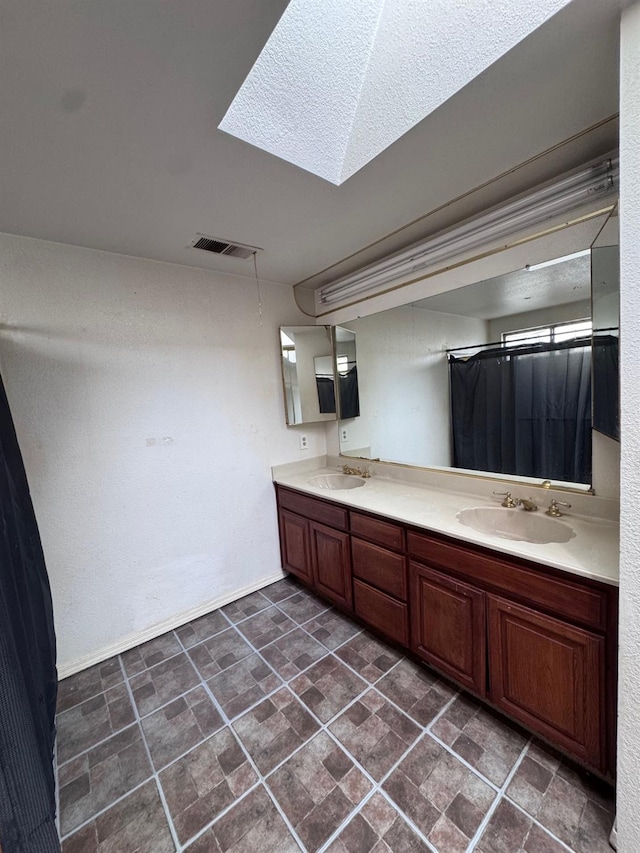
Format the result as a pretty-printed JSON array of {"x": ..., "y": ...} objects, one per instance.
[{"x": 494, "y": 377}]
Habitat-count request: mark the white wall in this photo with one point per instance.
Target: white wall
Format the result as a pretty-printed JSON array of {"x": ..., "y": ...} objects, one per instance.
[
  {"x": 102, "y": 353},
  {"x": 404, "y": 383},
  {"x": 530, "y": 319},
  {"x": 629, "y": 674}
]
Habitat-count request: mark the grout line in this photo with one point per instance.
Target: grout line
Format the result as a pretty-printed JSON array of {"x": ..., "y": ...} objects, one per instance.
[
  {"x": 494, "y": 805},
  {"x": 410, "y": 821},
  {"x": 156, "y": 778},
  {"x": 535, "y": 821},
  {"x": 96, "y": 745},
  {"x": 105, "y": 809}
]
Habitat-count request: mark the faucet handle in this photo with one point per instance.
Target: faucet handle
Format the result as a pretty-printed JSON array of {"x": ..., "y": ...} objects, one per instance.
[
  {"x": 508, "y": 500},
  {"x": 554, "y": 508}
]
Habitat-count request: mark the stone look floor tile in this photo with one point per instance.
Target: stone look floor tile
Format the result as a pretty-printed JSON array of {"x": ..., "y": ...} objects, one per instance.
[
  {"x": 151, "y": 653},
  {"x": 419, "y": 693},
  {"x": 485, "y": 741},
  {"x": 327, "y": 687},
  {"x": 244, "y": 684},
  {"x": 211, "y": 786},
  {"x": 85, "y": 725},
  {"x": 95, "y": 779},
  {"x": 180, "y": 725},
  {"x": 378, "y": 828},
  {"x": 252, "y": 825},
  {"x": 282, "y": 589},
  {"x": 577, "y": 809},
  {"x": 135, "y": 824},
  {"x": 444, "y": 799},
  {"x": 302, "y": 607},
  {"x": 511, "y": 831},
  {"x": 317, "y": 789},
  {"x": 371, "y": 658},
  {"x": 201, "y": 629},
  {"x": 274, "y": 729},
  {"x": 206, "y": 781},
  {"x": 292, "y": 653},
  {"x": 332, "y": 629},
  {"x": 162, "y": 683},
  {"x": 88, "y": 683},
  {"x": 266, "y": 626},
  {"x": 375, "y": 733},
  {"x": 245, "y": 607},
  {"x": 219, "y": 653}
]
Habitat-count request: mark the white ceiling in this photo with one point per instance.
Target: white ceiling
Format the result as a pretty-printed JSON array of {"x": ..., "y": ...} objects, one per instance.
[
  {"x": 517, "y": 292},
  {"x": 337, "y": 83},
  {"x": 108, "y": 132}
]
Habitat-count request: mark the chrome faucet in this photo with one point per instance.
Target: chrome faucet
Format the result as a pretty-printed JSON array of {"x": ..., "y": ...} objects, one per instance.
[{"x": 358, "y": 472}]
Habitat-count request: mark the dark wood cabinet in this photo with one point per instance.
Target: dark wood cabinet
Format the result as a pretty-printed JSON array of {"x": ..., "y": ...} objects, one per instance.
[
  {"x": 295, "y": 545},
  {"x": 549, "y": 675},
  {"x": 448, "y": 626},
  {"x": 331, "y": 564},
  {"x": 536, "y": 642}
]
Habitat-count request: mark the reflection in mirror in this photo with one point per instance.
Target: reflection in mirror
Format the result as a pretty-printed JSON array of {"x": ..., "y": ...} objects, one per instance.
[
  {"x": 346, "y": 371},
  {"x": 605, "y": 297},
  {"x": 307, "y": 374},
  {"x": 542, "y": 313}
]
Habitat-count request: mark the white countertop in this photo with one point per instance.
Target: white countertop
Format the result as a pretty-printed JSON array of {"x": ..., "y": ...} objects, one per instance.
[{"x": 593, "y": 552}]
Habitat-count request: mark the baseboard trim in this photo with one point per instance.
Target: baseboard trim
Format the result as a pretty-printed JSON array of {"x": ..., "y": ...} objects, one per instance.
[{"x": 65, "y": 670}]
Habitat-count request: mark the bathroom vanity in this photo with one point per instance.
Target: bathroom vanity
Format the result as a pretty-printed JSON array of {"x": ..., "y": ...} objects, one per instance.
[{"x": 537, "y": 640}]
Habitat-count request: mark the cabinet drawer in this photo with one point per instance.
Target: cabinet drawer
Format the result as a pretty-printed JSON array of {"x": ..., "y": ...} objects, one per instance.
[
  {"x": 317, "y": 510},
  {"x": 381, "y": 612},
  {"x": 575, "y": 601},
  {"x": 380, "y": 567},
  {"x": 383, "y": 532}
]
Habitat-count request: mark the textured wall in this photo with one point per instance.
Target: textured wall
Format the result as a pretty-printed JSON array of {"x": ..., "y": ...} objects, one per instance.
[
  {"x": 148, "y": 404},
  {"x": 404, "y": 383},
  {"x": 629, "y": 676}
]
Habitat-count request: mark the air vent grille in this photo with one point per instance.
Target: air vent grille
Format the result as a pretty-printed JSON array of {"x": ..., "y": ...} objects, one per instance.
[{"x": 222, "y": 247}]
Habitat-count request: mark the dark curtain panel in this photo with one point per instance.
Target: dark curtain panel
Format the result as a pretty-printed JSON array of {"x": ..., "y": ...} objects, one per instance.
[
  {"x": 28, "y": 679},
  {"x": 349, "y": 397},
  {"x": 524, "y": 411},
  {"x": 606, "y": 406},
  {"x": 326, "y": 394}
]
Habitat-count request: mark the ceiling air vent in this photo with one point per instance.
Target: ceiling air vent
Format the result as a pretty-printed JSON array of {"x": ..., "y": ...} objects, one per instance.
[{"x": 222, "y": 247}]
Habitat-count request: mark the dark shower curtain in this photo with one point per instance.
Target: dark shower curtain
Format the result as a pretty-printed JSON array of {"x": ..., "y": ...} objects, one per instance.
[
  {"x": 524, "y": 411},
  {"x": 28, "y": 681}
]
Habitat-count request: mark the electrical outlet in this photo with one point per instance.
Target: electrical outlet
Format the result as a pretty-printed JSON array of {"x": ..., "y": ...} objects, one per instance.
[
  {"x": 343, "y": 435},
  {"x": 304, "y": 442}
]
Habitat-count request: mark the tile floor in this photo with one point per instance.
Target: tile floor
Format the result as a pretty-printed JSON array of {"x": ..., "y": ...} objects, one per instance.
[{"x": 277, "y": 724}]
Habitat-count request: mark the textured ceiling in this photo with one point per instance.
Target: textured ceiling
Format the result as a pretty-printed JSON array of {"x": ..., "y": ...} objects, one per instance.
[
  {"x": 337, "y": 82},
  {"x": 517, "y": 292},
  {"x": 109, "y": 115}
]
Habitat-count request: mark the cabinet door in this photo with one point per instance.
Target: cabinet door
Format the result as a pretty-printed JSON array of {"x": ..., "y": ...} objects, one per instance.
[
  {"x": 549, "y": 675},
  {"x": 448, "y": 626},
  {"x": 331, "y": 563},
  {"x": 294, "y": 545}
]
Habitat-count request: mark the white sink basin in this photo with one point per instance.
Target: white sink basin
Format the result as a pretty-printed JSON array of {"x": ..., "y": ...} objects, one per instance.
[
  {"x": 515, "y": 524},
  {"x": 336, "y": 481}
]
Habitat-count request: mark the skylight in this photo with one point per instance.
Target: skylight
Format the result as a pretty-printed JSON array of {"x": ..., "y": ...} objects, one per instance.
[{"x": 339, "y": 81}]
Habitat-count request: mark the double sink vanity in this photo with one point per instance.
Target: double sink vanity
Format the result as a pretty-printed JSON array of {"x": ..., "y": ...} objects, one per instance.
[{"x": 515, "y": 606}]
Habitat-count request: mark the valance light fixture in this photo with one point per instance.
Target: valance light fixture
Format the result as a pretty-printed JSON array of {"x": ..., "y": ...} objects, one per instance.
[{"x": 536, "y": 207}]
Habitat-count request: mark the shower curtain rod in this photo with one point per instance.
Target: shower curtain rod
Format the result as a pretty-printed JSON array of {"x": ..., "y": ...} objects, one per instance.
[{"x": 531, "y": 345}]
